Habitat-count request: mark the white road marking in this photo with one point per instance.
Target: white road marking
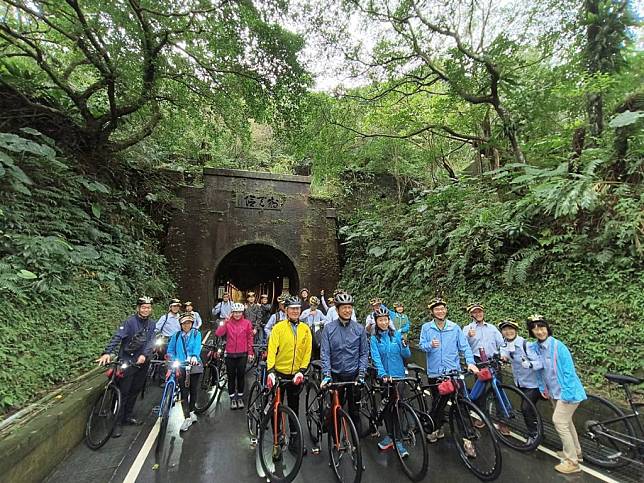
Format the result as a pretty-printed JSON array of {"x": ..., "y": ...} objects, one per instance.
[
  {"x": 135, "y": 469},
  {"x": 585, "y": 469}
]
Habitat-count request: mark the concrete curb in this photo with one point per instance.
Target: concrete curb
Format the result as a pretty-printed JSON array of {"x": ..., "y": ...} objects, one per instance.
[{"x": 29, "y": 451}]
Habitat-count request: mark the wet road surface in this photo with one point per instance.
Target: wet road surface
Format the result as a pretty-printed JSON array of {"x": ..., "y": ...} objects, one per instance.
[{"x": 217, "y": 449}]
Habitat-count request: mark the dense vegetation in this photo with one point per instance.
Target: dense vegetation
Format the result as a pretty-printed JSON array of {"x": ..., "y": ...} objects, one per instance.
[
  {"x": 74, "y": 252},
  {"x": 483, "y": 150}
]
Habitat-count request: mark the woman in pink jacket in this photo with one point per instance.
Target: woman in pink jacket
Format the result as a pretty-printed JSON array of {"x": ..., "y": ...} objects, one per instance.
[{"x": 239, "y": 348}]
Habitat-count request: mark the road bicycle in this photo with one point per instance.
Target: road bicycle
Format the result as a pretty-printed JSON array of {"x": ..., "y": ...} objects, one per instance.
[
  {"x": 610, "y": 437},
  {"x": 515, "y": 418},
  {"x": 104, "y": 414},
  {"x": 214, "y": 377},
  {"x": 325, "y": 414},
  {"x": 171, "y": 394},
  {"x": 280, "y": 445},
  {"x": 407, "y": 430},
  {"x": 478, "y": 448},
  {"x": 257, "y": 397}
]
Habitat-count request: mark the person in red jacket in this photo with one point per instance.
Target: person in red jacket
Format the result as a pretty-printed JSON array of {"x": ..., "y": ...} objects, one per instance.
[{"x": 239, "y": 348}]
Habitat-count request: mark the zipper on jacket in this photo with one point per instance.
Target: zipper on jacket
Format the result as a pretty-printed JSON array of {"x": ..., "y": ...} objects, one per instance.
[{"x": 294, "y": 346}]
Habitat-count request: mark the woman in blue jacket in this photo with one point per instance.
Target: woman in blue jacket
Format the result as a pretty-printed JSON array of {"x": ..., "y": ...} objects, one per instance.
[
  {"x": 388, "y": 351},
  {"x": 185, "y": 346},
  {"x": 558, "y": 381}
]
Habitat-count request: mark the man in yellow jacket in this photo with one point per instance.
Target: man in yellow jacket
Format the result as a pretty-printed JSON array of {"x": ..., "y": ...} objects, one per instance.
[{"x": 289, "y": 352}]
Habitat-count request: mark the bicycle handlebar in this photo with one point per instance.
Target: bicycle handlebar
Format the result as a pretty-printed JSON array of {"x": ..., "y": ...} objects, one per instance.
[{"x": 333, "y": 385}]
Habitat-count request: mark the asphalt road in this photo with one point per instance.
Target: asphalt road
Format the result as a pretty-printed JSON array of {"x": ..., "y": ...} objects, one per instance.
[{"x": 217, "y": 449}]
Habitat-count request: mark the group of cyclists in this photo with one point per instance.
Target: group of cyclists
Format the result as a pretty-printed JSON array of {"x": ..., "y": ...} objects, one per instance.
[{"x": 305, "y": 328}]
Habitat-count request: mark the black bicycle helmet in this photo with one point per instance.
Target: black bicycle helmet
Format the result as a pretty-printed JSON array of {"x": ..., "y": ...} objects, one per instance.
[
  {"x": 343, "y": 298},
  {"x": 293, "y": 302}
]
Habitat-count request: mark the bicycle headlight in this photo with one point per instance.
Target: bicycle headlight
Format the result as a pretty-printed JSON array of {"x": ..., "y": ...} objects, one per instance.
[
  {"x": 176, "y": 365},
  {"x": 123, "y": 366},
  {"x": 158, "y": 343}
]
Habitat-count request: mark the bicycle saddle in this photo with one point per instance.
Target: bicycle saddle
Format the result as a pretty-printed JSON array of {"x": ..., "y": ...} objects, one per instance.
[
  {"x": 317, "y": 365},
  {"x": 415, "y": 367},
  {"x": 621, "y": 379}
]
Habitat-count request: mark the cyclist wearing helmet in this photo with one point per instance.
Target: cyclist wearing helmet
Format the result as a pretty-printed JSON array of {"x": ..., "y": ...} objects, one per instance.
[
  {"x": 332, "y": 313},
  {"x": 168, "y": 324},
  {"x": 344, "y": 352},
  {"x": 289, "y": 353},
  {"x": 388, "y": 352},
  {"x": 480, "y": 334},
  {"x": 370, "y": 321},
  {"x": 239, "y": 348},
  {"x": 485, "y": 339},
  {"x": 443, "y": 341},
  {"x": 133, "y": 341},
  {"x": 185, "y": 346},
  {"x": 315, "y": 320},
  {"x": 558, "y": 380},
  {"x": 522, "y": 359},
  {"x": 188, "y": 308},
  {"x": 399, "y": 319},
  {"x": 313, "y": 316},
  {"x": 277, "y": 316}
]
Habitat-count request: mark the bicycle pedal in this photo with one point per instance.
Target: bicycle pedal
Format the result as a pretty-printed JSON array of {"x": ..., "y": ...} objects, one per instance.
[{"x": 156, "y": 409}]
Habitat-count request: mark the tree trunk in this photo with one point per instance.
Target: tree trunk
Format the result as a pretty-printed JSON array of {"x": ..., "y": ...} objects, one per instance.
[{"x": 594, "y": 100}]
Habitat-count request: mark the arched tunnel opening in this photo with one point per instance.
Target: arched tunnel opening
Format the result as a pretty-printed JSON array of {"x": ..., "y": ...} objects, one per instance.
[{"x": 259, "y": 268}]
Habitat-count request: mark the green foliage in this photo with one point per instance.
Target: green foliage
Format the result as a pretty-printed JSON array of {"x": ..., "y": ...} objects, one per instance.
[
  {"x": 524, "y": 239},
  {"x": 74, "y": 255},
  {"x": 100, "y": 77}
]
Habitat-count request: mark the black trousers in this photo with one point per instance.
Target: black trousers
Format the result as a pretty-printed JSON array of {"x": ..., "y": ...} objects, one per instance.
[
  {"x": 130, "y": 387},
  {"x": 437, "y": 411},
  {"x": 350, "y": 395},
  {"x": 292, "y": 392},
  {"x": 189, "y": 393},
  {"x": 236, "y": 369},
  {"x": 534, "y": 395}
]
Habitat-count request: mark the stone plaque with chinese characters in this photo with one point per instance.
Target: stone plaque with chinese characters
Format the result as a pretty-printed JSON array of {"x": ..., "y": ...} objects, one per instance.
[{"x": 260, "y": 201}]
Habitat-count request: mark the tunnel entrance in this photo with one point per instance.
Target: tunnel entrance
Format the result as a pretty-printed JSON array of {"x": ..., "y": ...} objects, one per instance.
[{"x": 256, "y": 267}]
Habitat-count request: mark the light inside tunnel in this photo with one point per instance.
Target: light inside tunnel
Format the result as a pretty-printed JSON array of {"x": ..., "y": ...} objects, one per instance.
[{"x": 259, "y": 268}]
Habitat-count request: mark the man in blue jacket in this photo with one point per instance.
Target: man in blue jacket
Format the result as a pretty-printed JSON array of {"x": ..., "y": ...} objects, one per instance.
[
  {"x": 134, "y": 340},
  {"x": 443, "y": 341},
  {"x": 344, "y": 352}
]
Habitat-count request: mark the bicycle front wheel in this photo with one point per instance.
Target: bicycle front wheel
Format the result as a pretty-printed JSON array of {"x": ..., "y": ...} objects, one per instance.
[
  {"x": 478, "y": 448},
  {"x": 254, "y": 410},
  {"x": 314, "y": 412},
  {"x": 166, "y": 406},
  {"x": 410, "y": 442},
  {"x": 598, "y": 435},
  {"x": 366, "y": 408},
  {"x": 103, "y": 417},
  {"x": 516, "y": 420},
  {"x": 280, "y": 445},
  {"x": 344, "y": 449},
  {"x": 208, "y": 387}
]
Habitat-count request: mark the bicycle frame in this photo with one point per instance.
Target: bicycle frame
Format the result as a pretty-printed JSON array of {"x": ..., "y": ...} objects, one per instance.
[
  {"x": 170, "y": 382},
  {"x": 632, "y": 442},
  {"x": 478, "y": 389}
]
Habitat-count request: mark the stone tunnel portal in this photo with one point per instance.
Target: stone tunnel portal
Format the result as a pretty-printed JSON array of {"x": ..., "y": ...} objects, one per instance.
[{"x": 256, "y": 267}]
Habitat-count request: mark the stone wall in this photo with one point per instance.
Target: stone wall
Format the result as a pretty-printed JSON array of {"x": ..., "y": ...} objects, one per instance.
[{"x": 236, "y": 208}]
